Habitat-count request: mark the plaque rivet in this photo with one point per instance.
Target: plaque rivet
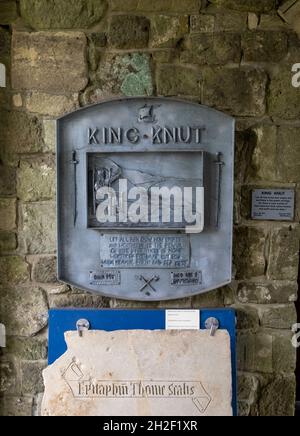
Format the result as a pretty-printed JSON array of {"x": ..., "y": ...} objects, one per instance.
[
  {"x": 82, "y": 325},
  {"x": 212, "y": 324}
]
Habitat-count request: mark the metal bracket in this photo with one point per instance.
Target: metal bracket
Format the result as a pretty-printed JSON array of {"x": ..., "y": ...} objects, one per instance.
[
  {"x": 2, "y": 336},
  {"x": 82, "y": 325},
  {"x": 212, "y": 324},
  {"x": 219, "y": 164}
]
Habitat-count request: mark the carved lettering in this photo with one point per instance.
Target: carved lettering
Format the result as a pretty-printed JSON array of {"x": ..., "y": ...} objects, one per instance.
[{"x": 92, "y": 136}]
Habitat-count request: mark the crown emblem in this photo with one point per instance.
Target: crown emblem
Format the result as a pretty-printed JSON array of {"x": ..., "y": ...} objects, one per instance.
[{"x": 146, "y": 114}]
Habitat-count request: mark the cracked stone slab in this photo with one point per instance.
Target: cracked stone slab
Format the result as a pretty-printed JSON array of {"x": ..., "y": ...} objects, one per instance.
[{"x": 141, "y": 373}]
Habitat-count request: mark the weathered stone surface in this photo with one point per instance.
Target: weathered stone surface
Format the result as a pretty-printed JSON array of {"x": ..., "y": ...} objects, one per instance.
[
  {"x": 263, "y": 164},
  {"x": 128, "y": 31},
  {"x": 178, "y": 80},
  {"x": 283, "y": 98},
  {"x": 202, "y": 23},
  {"x": 44, "y": 270},
  {"x": 32, "y": 376},
  {"x": 253, "y": 21},
  {"x": 230, "y": 21},
  {"x": 13, "y": 270},
  {"x": 171, "y": 6},
  {"x": 36, "y": 179},
  {"x": 7, "y": 176},
  {"x": 49, "y": 127},
  {"x": 279, "y": 317},
  {"x": 278, "y": 397},
  {"x": 8, "y": 242},
  {"x": 289, "y": 154},
  {"x": 16, "y": 406},
  {"x": 100, "y": 356},
  {"x": 8, "y": 214},
  {"x": 264, "y": 46},
  {"x": 166, "y": 30},
  {"x": 9, "y": 377},
  {"x": 76, "y": 299},
  {"x": 27, "y": 348},
  {"x": 62, "y": 14},
  {"x": 8, "y": 11},
  {"x": 24, "y": 311},
  {"x": 39, "y": 223},
  {"x": 216, "y": 49},
  {"x": 247, "y": 99},
  {"x": 50, "y": 62},
  {"x": 254, "y": 352},
  {"x": 247, "y": 5},
  {"x": 249, "y": 248},
  {"x": 52, "y": 105},
  {"x": 284, "y": 354},
  {"x": 267, "y": 293},
  {"x": 247, "y": 317},
  {"x": 272, "y": 22},
  {"x": 11, "y": 124},
  {"x": 129, "y": 75},
  {"x": 284, "y": 254},
  {"x": 210, "y": 299}
]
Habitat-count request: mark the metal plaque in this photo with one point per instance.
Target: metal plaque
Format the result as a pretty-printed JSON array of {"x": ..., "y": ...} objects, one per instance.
[
  {"x": 145, "y": 198},
  {"x": 273, "y": 204}
]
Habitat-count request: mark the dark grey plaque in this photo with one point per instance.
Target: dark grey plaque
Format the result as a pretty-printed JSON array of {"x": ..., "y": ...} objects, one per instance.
[
  {"x": 144, "y": 251},
  {"x": 153, "y": 146},
  {"x": 105, "y": 277},
  {"x": 273, "y": 204},
  {"x": 186, "y": 278}
]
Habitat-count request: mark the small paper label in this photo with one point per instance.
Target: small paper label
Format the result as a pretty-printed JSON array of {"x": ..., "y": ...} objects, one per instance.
[{"x": 182, "y": 319}]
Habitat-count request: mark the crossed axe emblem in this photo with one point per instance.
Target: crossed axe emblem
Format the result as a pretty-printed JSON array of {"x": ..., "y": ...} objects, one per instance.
[{"x": 148, "y": 283}]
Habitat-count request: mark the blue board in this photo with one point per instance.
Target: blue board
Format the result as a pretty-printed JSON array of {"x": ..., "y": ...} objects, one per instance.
[{"x": 62, "y": 320}]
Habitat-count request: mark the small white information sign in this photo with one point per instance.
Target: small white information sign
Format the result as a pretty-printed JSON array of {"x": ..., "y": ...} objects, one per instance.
[{"x": 182, "y": 319}]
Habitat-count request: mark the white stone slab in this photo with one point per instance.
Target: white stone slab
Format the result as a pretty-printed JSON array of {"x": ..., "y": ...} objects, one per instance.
[{"x": 141, "y": 373}]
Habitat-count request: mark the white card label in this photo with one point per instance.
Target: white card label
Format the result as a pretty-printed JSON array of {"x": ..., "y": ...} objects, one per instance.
[{"x": 182, "y": 319}]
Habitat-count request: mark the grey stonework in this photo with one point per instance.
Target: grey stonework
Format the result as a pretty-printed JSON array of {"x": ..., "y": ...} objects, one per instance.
[{"x": 234, "y": 55}]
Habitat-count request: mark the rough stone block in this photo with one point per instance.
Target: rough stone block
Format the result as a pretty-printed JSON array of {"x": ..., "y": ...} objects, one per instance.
[
  {"x": 13, "y": 270},
  {"x": 27, "y": 348},
  {"x": 249, "y": 252},
  {"x": 24, "y": 311},
  {"x": 247, "y": 317},
  {"x": 216, "y": 49},
  {"x": 284, "y": 354},
  {"x": 16, "y": 406},
  {"x": 267, "y": 293},
  {"x": 8, "y": 11},
  {"x": 129, "y": 75},
  {"x": 62, "y": 14},
  {"x": 278, "y": 397},
  {"x": 8, "y": 214},
  {"x": 128, "y": 31},
  {"x": 284, "y": 254},
  {"x": 202, "y": 23},
  {"x": 170, "y": 6},
  {"x": 166, "y": 30},
  {"x": 49, "y": 127},
  {"x": 52, "y": 105},
  {"x": 264, "y": 46},
  {"x": 283, "y": 99},
  {"x": 230, "y": 21},
  {"x": 39, "y": 224},
  {"x": 289, "y": 154},
  {"x": 50, "y": 62},
  {"x": 263, "y": 163},
  {"x": 9, "y": 381},
  {"x": 32, "y": 376},
  {"x": 36, "y": 179},
  {"x": 247, "y": 5},
  {"x": 178, "y": 80},
  {"x": 7, "y": 180},
  {"x": 255, "y": 353},
  {"x": 8, "y": 242},
  {"x": 278, "y": 317},
  {"x": 44, "y": 270},
  {"x": 22, "y": 133},
  {"x": 247, "y": 99}
]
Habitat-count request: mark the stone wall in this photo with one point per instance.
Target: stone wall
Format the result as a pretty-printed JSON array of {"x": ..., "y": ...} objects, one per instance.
[{"x": 234, "y": 55}]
